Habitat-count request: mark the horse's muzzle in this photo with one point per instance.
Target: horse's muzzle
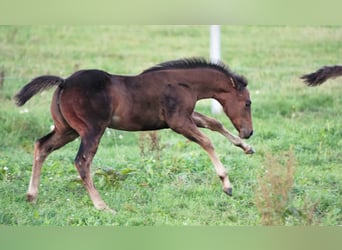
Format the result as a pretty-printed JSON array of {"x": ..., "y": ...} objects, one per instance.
[{"x": 245, "y": 134}]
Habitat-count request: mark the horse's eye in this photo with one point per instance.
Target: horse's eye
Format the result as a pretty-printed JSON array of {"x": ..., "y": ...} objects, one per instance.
[{"x": 248, "y": 104}]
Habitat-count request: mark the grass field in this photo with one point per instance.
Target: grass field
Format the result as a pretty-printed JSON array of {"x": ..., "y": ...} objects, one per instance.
[{"x": 294, "y": 178}]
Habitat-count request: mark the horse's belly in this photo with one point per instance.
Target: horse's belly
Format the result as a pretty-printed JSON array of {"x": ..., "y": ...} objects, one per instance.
[{"x": 137, "y": 123}]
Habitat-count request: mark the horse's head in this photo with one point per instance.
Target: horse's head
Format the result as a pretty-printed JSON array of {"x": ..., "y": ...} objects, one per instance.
[{"x": 236, "y": 104}]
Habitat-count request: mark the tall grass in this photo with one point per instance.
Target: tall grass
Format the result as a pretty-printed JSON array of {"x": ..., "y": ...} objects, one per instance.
[{"x": 273, "y": 194}]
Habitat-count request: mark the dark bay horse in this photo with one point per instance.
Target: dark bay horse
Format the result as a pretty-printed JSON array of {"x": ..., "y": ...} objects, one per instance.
[
  {"x": 163, "y": 96},
  {"x": 321, "y": 75}
]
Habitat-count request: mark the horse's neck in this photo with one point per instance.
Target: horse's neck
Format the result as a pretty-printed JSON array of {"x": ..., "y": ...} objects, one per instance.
[{"x": 206, "y": 82}]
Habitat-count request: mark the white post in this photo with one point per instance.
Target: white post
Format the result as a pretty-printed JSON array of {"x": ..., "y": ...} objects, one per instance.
[{"x": 215, "y": 55}]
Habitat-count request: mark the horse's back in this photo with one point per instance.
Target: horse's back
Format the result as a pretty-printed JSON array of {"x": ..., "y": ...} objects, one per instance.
[{"x": 89, "y": 79}]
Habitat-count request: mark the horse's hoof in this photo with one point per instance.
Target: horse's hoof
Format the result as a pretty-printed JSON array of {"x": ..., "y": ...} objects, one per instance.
[
  {"x": 31, "y": 198},
  {"x": 108, "y": 210},
  {"x": 228, "y": 191},
  {"x": 250, "y": 151}
]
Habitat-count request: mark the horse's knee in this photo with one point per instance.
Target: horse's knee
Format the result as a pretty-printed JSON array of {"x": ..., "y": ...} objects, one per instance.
[
  {"x": 217, "y": 126},
  {"x": 207, "y": 144},
  {"x": 203, "y": 141}
]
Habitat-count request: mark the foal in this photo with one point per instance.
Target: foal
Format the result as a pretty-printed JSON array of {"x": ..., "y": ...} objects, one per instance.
[{"x": 164, "y": 96}]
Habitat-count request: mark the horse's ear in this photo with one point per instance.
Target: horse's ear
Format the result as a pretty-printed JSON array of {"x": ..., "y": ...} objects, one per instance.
[{"x": 233, "y": 82}]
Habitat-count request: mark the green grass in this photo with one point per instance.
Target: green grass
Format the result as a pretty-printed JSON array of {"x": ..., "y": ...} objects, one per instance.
[{"x": 176, "y": 185}]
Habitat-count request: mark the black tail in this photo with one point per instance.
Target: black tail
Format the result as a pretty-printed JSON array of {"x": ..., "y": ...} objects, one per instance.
[
  {"x": 36, "y": 85},
  {"x": 322, "y": 74}
]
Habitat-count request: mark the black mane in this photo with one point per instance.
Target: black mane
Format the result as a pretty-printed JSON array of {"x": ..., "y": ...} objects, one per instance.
[{"x": 196, "y": 62}]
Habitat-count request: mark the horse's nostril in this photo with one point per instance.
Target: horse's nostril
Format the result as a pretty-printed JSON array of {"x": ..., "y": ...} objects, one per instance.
[{"x": 251, "y": 133}]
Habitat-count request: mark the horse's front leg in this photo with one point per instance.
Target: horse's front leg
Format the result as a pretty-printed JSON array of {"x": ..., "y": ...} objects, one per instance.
[
  {"x": 203, "y": 121},
  {"x": 190, "y": 131}
]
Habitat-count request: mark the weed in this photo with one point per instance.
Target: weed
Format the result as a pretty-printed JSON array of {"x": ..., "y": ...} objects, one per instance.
[
  {"x": 2, "y": 78},
  {"x": 272, "y": 195},
  {"x": 149, "y": 143},
  {"x": 112, "y": 177}
]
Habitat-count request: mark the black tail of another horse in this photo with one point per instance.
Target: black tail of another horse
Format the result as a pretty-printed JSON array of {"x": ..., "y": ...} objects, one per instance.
[
  {"x": 36, "y": 85},
  {"x": 322, "y": 74}
]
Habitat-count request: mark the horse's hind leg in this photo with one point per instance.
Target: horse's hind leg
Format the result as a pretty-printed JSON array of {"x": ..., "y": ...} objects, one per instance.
[
  {"x": 85, "y": 155},
  {"x": 42, "y": 148},
  {"x": 203, "y": 121},
  {"x": 190, "y": 131}
]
